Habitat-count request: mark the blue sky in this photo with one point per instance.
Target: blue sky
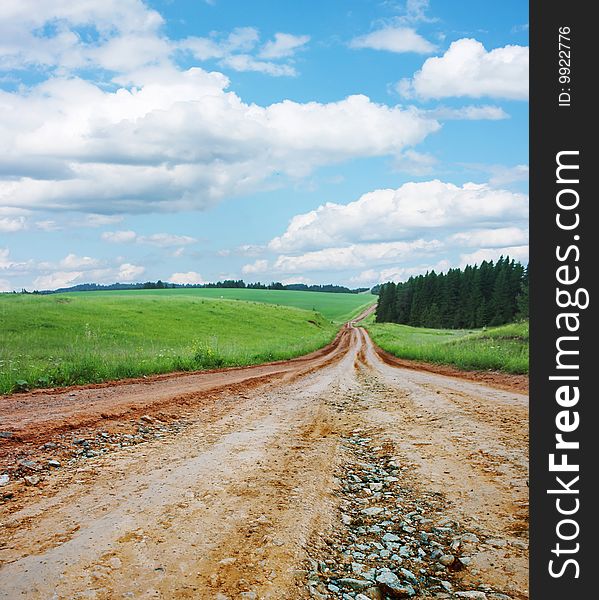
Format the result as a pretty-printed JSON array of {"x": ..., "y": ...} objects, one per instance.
[{"x": 349, "y": 142}]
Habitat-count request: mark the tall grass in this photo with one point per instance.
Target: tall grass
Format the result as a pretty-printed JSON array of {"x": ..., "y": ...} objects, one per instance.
[
  {"x": 58, "y": 340},
  {"x": 502, "y": 348}
]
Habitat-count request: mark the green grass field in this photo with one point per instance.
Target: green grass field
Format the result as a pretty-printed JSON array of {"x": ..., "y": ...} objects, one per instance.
[
  {"x": 502, "y": 348},
  {"x": 78, "y": 338},
  {"x": 335, "y": 307}
]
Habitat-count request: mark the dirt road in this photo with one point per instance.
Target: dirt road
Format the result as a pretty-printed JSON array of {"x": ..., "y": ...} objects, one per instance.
[{"x": 301, "y": 479}]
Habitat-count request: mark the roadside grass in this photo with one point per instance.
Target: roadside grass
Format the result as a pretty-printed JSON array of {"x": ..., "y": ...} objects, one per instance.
[
  {"x": 70, "y": 339},
  {"x": 335, "y": 307},
  {"x": 502, "y": 348}
]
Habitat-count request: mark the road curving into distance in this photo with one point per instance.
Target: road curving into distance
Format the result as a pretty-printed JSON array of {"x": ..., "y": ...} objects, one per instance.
[{"x": 257, "y": 483}]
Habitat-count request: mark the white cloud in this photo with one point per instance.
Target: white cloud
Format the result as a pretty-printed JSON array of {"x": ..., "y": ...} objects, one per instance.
[
  {"x": 48, "y": 225},
  {"x": 491, "y": 238},
  {"x": 519, "y": 253},
  {"x": 9, "y": 225},
  {"x": 72, "y": 261},
  {"x": 284, "y": 45},
  {"x": 162, "y": 240},
  {"x": 394, "y": 39},
  {"x": 416, "y": 12},
  {"x": 166, "y": 240},
  {"x": 468, "y": 113},
  {"x": 297, "y": 279},
  {"x": 128, "y": 272},
  {"x": 245, "y": 62},
  {"x": 404, "y": 273},
  {"x": 371, "y": 277},
  {"x": 180, "y": 141},
  {"x": 353, "y": 256},
  {"x": 405, "y": 212},
  {"x": 10, "y": 266},
  {"x": 134, "y": 51},
  {"x": 235, "y": 50},
  {"x": 70, "y": 270},
  {"x": 57, "y": 279},
  {"x": 94, "y": 220},
  {"x": 365, "y": 278},
  {"x": 249, "y": 250},
  {"x": 47, "y": 34},
  {"x": 258, "y": 266},
  {"x": 182, "y": 278},
  {"x": 392, "y": 234},
  {"x": 119, "y": 237},
  {"x": 468, "y": 69}
]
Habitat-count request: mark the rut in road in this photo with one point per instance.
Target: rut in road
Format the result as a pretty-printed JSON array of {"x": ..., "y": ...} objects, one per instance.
[{"x": 248, "y": 495}]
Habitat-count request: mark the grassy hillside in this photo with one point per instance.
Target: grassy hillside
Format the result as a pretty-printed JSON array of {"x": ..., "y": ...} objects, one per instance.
[
  {"x": 90, "y": 337},
  {"x": 502, "y": 348},
  {"x": 335, "y": 307}
]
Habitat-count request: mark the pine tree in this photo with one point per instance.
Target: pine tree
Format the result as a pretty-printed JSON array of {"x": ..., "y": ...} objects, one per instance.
[
  {"x": 381, "y": 306},
  {"x": 522, "y": 300},
  {"x": 489, "y": 293}
]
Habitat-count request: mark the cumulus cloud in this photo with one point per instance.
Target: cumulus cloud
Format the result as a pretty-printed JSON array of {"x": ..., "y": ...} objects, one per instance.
[
  {"x": 5, "y": 286},
  {"x": 70, "y": 270},
  {"x": 48, "y": 34},
  {"x": 190, "y": 277},
  {"x": 180, "y": 141},
  {"x": 405, "y": 212},
  {"x": 391, "y": 234},
  {"x": 468, "y": 69},
  {"x": 394, "y": 39},
  {"x": 155, "y": 137},
  {"x": 284, "y": 45},
  {"x": 353, "y": 256}
]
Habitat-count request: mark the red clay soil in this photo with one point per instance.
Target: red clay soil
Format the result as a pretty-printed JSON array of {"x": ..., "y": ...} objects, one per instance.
[
  {"x": 30, "y": 420},
  {"x": 503, "y": 381}
]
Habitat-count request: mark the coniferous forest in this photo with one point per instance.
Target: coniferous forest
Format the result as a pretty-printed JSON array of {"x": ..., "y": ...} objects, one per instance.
[{"x": 492, "y": 293}]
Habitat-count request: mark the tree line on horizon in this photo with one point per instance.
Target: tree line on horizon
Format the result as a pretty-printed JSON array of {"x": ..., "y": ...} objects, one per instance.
[
  {"x": 227, "y": 283},
  {"x": 489, "y": 294}
]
